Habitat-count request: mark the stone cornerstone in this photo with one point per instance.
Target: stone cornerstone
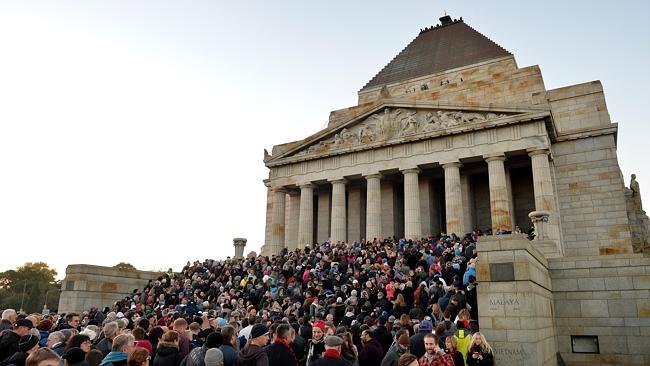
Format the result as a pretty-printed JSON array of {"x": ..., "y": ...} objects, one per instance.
[{"x": 452, "y": 135}]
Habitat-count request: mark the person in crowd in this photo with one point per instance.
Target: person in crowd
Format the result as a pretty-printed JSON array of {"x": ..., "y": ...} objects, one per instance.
[
  {"x": 332, "y": 353},
  {"x": 317, "y": 343},
  {"x": 94, "y": 357},
  {"x": 10, "y": 338},
  {"x": 280, "y": 352},
  {"x": 43, "y": 357},
  {"x": 434, "y": 355},
  {"x": 196, "y": 357},
  {"x": 139, "y": 357},
  {"x": 228, "y": 349},
  {"x": 349, "y": 352},
  {"x": 253, "y": 353},
  {"x": 72, "y": 321},
  {"x": 213, "y": 357},
  {"x": 122, "y": 345},
  {"x": 408, "y": 359},
  {"x": 106, "y": 344},
  {"x": 79, "y": 341},
  {"x": 371, "y": 354},
  {"x": 9, "y": 317},
  {"x": 451, "y": 347},
  {"x": 399, "y": 347},
  {"x": 55, "y": 341},
  {"x": 479, "y": 352},
  {"x": 75, "y": 356},
  {"x": 168, "y": 353},
  {"x": 417, "y": 340},
  {"x": 27, "y": 345},
  {"x": 44, "y": 328}
]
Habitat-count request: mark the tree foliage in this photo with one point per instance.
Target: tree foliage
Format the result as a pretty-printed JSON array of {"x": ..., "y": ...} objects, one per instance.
[
  {"x": 123, "y": 266},
  {"x": 29, "y": 284}
]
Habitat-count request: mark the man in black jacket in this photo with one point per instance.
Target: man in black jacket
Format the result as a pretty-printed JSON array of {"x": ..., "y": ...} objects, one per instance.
[
  {"x": 280, "y": 352},
  {"x": 9, "y": 341},
  {"x": 371, "y": 354},
  {"x": 253, "y": 353},
  {"x": 383, "y": 335}
]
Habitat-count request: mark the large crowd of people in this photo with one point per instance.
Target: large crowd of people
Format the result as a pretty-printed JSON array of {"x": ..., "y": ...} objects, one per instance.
[{"x": 389, "y": 303}]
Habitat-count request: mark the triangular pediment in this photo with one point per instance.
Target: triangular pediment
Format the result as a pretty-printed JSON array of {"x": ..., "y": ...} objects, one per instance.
[{"x": 394, "y": 123}]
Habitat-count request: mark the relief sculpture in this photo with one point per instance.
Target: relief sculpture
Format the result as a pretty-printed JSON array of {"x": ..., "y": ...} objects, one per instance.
[{"x": 395, "y": 123}]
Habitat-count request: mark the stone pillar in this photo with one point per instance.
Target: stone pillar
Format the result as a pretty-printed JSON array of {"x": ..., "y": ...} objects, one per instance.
[
  {"x": 387, "y": 209},
  {"x": 277, "y": 221},
  {"x": 323, "y": 225},
  {"x": 425, "y": 205},
  {"x": 306, "y": 221},
  {"x": 339, "y": 219},
  {"x": 499, "y": 200},
  {"x": 373, "y": 206},
  {"x": 240, "y": 244},
  {"x": 269, "y": 215},
  {"x": 292, "y": 220},
  {"x": 543, "y": 189},
  {"x": 467, "y": 224},
  {"x": 412, "y": 223},
  {"x": 354, "y": 213},
  {"x": 453, "y": 199}
]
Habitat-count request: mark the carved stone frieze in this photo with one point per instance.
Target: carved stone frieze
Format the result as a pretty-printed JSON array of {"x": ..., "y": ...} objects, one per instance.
[{"x": 395, "y": 123}]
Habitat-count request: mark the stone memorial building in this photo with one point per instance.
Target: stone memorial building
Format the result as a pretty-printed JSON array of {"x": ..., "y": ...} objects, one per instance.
[{"x": 452, "y": 135}]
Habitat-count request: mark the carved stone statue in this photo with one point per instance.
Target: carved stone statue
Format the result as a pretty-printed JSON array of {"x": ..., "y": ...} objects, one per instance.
[
  {"x": 366, "y": 133},
  {"x": 410, "y": 124},
  {"x": 446, "y": 119},
  {"x": 266, "y": 154},
  {"x": 636, "y": 193},
  {"x": 462, "y": 117}
]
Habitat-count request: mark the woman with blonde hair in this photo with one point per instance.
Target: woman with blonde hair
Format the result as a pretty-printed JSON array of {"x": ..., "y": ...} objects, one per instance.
[
  {"x": 437, "y": 315},
  {"x": 451, "y": 349},
  {"x": 399, "y": 306},
  {"x": 479, "y": 352},
  {"x": 405, "y": 323}
]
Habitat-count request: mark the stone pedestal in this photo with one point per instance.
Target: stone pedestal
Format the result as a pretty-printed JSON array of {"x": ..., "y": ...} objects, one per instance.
[
  {"x": 240, "y": 244},
  {"x": 547, "y": 246},
  {"x": 515, "y": 301}
]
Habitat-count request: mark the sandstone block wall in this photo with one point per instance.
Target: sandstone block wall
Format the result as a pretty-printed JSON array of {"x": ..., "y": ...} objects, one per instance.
[
  {"x": 85, "y": 286},
  {"x": 604, "y": 296},
  {"x": 591, "y": 197}
]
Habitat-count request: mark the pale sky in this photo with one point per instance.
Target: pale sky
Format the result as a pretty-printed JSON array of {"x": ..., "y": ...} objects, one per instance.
[{"x": 134, "y": 130}]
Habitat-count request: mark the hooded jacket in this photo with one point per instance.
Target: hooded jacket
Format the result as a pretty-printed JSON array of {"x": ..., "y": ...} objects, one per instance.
[
  {"x": 167, "y": 355},
  {"x": 115, "y": 358},
  {"x": 393, "y": 355},
  {"x": 252, "y": 355}
]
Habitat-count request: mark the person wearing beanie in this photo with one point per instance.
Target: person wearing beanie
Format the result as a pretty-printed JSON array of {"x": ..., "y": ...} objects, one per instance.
[
  {"x": 27, "y": 345},
  {"x": 280, "y": 352},
  {"x": 197, "y": 355},
  {"x": 253, "y": 353},
  {"x": 44, "y": 328},
  {"x": 9, "y": 341},
  {"x": 316, "y": 345},
  {"x": 213, "y": 357},
  {"x": 417, "y": 340}
]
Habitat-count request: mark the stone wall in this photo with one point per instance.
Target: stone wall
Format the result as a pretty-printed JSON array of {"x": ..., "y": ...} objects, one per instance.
[
  {"x": 607, "y": 297},
  {"x": 591, "y": 196},
  {"x": 85, "y": 286}
]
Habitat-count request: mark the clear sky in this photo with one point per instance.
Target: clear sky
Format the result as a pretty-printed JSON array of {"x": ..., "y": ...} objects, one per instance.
[{"x": 134, "y": 130}]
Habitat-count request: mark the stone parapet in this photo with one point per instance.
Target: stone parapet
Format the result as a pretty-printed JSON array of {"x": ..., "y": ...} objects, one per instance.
[{"x": 85, "y": 286}]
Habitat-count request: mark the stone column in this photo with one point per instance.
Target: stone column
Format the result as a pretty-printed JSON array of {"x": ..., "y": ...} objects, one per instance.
[
  {"x": 469, "y": 216},
  {"x": 269, "y": 216},
  {"x": 306, "y": 221},
  {"x": 323, "y": 225},
  {"x": 453, "y": 199},
  {"x": 499, "y": 200},
  {"x": 292, "y": 217},
  {"x": 543, "y": 189},
  {"x": 354, "y": 213},
  {"x": 412, "y": 223},
  {"x": 339, "y": 219},
  {"x": 425, "y": 206},
  {"x": 373, "y": 206},
  {"x": 387, "y": 209},
  {"x": 277, "y": 221},
  {"x": 240, "y": 244}
]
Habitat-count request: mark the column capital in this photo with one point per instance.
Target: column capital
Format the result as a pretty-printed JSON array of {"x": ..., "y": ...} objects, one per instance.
[
  {"x": 280, "y": 190},
  {"x": 494, "y": 157},
  {"x": 373, "y": 175},
  {"x": 267, "y": 183},
  {"x": 454, "y": 164},
  {"x": 537, "y": 151},
  {"x": 338, "y": 180},
  {"x": 411, "y": 170},
  {"x": 306, "y": 185}
]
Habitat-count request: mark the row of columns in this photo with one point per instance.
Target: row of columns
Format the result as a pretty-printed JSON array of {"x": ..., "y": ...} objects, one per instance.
[{"x": 500, "y": 202}]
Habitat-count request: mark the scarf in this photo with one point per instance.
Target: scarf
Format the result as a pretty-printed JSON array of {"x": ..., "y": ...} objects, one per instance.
[
  {"x": 333, "y": 353},
  {"x": 286, "y": 344}
]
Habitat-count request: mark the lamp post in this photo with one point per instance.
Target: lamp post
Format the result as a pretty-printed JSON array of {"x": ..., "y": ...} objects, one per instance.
[{"x": 22, "y": 300}]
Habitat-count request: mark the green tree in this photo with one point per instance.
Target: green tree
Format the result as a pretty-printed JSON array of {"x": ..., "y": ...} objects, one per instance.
[
  {"x": 122, "y": 266},
  {"x": 31, "y": 285}
]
